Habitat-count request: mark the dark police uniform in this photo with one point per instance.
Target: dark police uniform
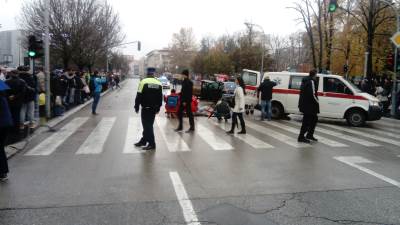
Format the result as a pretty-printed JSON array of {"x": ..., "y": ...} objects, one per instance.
[
  {"x": 149, "y": 96},
  {"x": 309, "y": 106}
]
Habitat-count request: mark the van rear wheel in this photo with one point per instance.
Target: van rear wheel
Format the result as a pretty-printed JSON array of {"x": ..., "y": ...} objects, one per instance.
[
  {"x": 356, "y": 118},
  {"x": 277, "y": 111}
]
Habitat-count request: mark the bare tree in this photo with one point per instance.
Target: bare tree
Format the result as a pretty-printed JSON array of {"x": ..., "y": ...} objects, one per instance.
[
  {"x": 80, "y": 30},
  {"x": 183, "y": 48},
  {"x": 305, "y": 8}
]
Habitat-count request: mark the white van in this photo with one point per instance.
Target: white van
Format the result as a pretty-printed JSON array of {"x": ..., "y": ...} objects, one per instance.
[{"x": 338, "y": 98}]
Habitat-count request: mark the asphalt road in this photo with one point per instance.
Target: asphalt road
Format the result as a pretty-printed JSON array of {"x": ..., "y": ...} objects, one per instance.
[{"x": 89, "y": 173}]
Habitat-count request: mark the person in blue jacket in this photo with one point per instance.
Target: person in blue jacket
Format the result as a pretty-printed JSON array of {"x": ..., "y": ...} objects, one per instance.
[
  {"x": 98, "y": 86},
  {"x": 6, "y": 122}
]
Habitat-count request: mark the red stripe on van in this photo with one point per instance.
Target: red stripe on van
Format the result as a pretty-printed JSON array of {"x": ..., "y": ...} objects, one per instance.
[
  {"x": 251, "y": 87},
  {"x": 325, "y": 94}
]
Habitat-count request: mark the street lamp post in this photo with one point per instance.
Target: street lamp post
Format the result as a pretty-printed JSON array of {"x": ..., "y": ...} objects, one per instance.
[{"x": 263, "y": 46}]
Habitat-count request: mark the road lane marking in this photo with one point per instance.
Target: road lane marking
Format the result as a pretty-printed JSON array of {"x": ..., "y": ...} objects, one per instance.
[
  {"x": 133, "y": 134},
  {"x": 278, "y": 136},
  {"x": 341, "y": 136},
  {"x": 174, "y": 141},
  {"x": 94, "y": 143},
  {"x": 187, "y": 208},
  {"x": 354, "y": 160},
  {"x": 323, "y": 140},
  {"x": 247, "y": 138},
  {"x": 215, "y": 142},
  {"x": 51, "y": 143},
  {"x": 367, "y": 135}
]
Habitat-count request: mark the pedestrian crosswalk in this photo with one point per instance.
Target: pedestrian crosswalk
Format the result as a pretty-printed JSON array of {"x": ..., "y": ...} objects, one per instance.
[
  {"x": 133, "y": 134},
  {"x": 95, "y": 142},
  {"x": 260, "y": 136},
  {"x": 173, "y": 141},
  {"x": 346, "y": 137},
  {"x": 51, "y": 143},
  {"x": 248, "y": 138},
  {"x": 323, "y": 140}
]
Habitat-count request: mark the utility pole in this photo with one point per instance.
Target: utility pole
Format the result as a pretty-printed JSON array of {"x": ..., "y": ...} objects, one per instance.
[{"x": 47, "y": 56}]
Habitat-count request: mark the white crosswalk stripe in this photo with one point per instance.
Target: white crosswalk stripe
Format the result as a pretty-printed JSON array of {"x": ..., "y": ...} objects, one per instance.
[
  {"x": 51, "y": 143},
  {"x": 94, "y": 143},
  {"x": 173, "y": 141},
  {"x": 323, "y": 140},
  {"x": 386, "y": 132},
  {"x": 367, "y": 135},
  {"x": 276, "y": 135},
  {"x": 386, "y": 123},
  {"x": 341, "y": 136},
  {"x": 215, "y": 142},
  {"x": 247, "y": 138},
  {"x": 133, "y": 134}
]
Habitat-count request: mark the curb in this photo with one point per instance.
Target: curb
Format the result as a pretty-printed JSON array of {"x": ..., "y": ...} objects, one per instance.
[{"x": 13, "y": 149}]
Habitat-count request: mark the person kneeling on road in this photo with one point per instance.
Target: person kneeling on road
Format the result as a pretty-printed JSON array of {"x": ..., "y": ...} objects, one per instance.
[{"x": 150, "y": 97}]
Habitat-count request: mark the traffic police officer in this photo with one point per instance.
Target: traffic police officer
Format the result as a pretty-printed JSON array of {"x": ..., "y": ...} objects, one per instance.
[{"x": 149, "y": 96}]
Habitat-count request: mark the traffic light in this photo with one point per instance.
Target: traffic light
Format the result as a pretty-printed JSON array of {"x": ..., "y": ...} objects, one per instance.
[
  {"x": 35, "y": 48},
  {"x": 32, "y": 46},
  {"x": 139, "y": 45},
  {"x": 332, "y": 6},
  {"x": 345, "y": 68}
]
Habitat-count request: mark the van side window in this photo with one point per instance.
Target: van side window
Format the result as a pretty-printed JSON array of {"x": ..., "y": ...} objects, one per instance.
[
  {"x": 335, "y": 85},
  {"x": 295, "y": 82},
  {"x": 249, "y": 78}
]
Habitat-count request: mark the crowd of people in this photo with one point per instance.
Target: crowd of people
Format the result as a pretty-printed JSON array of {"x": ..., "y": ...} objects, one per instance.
[
  {"x": 23, "y": 98},
  {"x": 68, "y": 88},
  {"x": 381, "y": 87}
]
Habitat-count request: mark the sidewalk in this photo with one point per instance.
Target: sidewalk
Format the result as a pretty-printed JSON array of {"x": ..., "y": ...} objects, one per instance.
[{"x": 14, "y": 148}]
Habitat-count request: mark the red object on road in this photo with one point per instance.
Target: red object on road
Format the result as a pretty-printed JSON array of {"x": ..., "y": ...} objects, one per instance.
[{"x": 172, "y": 103}]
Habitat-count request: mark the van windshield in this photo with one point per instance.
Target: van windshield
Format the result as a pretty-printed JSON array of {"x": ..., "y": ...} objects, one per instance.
[{"x": 355, "y": 88}]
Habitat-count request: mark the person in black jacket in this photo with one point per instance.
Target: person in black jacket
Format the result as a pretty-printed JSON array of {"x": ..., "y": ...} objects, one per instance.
[
  {"x": 266, "y": 96},
  {"x": 150, "y": 97},
  {"x": 186, "y": 102},
  {"x": 15, "y": 97},
  {"x": 28, "y": 106},
  {"x": 309, "y": 106}
]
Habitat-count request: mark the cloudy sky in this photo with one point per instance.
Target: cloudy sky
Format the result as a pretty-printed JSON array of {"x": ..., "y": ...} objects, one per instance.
[{"x": 154, "y": 21}]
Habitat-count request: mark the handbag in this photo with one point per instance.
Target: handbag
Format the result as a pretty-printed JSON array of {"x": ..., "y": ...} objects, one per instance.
[
  {"x": 58, "y": 100},
  {"x": 86, "y": 89}
]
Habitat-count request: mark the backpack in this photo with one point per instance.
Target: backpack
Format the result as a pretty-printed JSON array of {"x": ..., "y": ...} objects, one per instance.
[{"x": 172, "y": 101}]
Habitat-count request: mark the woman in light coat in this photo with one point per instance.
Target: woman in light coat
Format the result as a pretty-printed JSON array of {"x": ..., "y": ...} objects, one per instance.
[{"x": 238, "y": 109}]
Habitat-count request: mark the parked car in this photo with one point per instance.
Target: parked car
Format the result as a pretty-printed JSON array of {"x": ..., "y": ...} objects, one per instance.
[
  {"x": 229, "y": 88},
  {"x": 211, "y": 90},
  {"x": 164, "y": 82}
]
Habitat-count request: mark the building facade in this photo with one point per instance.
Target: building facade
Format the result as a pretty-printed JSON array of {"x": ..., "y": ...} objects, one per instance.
[
  {"x": 12, "y": 52},
  {"x": 159, "y": 59}
]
